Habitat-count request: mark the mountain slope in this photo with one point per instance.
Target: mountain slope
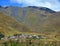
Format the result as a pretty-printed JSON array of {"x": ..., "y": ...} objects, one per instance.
[
  {"x": 38, "y": 19},
  {"x": 9, "y": 26}
]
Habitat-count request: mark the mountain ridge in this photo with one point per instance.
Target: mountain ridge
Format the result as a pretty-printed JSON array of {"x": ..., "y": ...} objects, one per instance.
[{"x": 40, "y": 8}]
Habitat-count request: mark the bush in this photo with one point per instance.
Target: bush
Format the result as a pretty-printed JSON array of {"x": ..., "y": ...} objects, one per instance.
[{"x": 1, "y": 35}]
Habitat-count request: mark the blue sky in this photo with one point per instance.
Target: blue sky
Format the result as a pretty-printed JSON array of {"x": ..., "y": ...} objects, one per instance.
[{"x": 52, "y": 4}]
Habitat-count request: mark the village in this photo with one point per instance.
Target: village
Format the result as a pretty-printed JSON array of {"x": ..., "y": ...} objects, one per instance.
[
  {"x": 26, "y": 36},
  {"x": 28, "y": 39},
  {"x": 23, "y": 36}
]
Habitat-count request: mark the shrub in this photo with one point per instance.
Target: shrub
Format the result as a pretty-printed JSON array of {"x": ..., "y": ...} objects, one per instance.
[{"x": 1, "y": 35}]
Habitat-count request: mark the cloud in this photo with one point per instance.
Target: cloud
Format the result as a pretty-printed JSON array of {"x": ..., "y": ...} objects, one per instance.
[{"x": 52, "y": 4}]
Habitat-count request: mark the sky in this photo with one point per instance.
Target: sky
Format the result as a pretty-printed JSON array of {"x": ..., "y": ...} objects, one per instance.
[{"x": 52, "y": 4}]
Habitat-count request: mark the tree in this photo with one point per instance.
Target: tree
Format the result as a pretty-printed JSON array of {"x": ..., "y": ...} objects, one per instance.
[{"x": 1, "y": 35}]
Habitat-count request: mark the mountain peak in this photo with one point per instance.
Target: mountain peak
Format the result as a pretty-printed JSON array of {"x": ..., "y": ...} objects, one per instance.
[{"x": 42, "y": 8}]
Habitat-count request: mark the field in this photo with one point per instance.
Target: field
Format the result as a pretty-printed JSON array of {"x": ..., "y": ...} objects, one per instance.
[{"x": 30, "y": 42}]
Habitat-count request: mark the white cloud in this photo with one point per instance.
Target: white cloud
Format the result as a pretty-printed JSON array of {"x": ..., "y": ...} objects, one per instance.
[{"x": 52, "y": 4}]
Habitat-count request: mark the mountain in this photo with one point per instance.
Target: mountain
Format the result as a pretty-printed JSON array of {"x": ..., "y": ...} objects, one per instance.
[
  {"x": 37, "y": 19},
  {"x": 42, "y": 8},
  {"x": 9, "y": 26}
]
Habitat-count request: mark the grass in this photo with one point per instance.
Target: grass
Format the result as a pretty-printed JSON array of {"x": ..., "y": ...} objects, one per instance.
[
  {"x": 34, "y": 42},
  {"x": 10, "y": 26}
]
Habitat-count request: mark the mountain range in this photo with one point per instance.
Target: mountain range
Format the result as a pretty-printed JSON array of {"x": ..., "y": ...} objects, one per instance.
[{"x": 31, "y": 18}]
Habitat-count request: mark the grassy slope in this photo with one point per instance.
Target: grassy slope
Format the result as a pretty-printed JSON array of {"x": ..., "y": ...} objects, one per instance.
[
  {"x": 35, "y": 19},
  {"x": 30, "y": 17},
  {"x": 9, "y": 26}
]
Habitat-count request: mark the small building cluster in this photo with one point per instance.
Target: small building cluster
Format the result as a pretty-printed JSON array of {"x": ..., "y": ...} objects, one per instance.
[{"x": 24, "y": 36}]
